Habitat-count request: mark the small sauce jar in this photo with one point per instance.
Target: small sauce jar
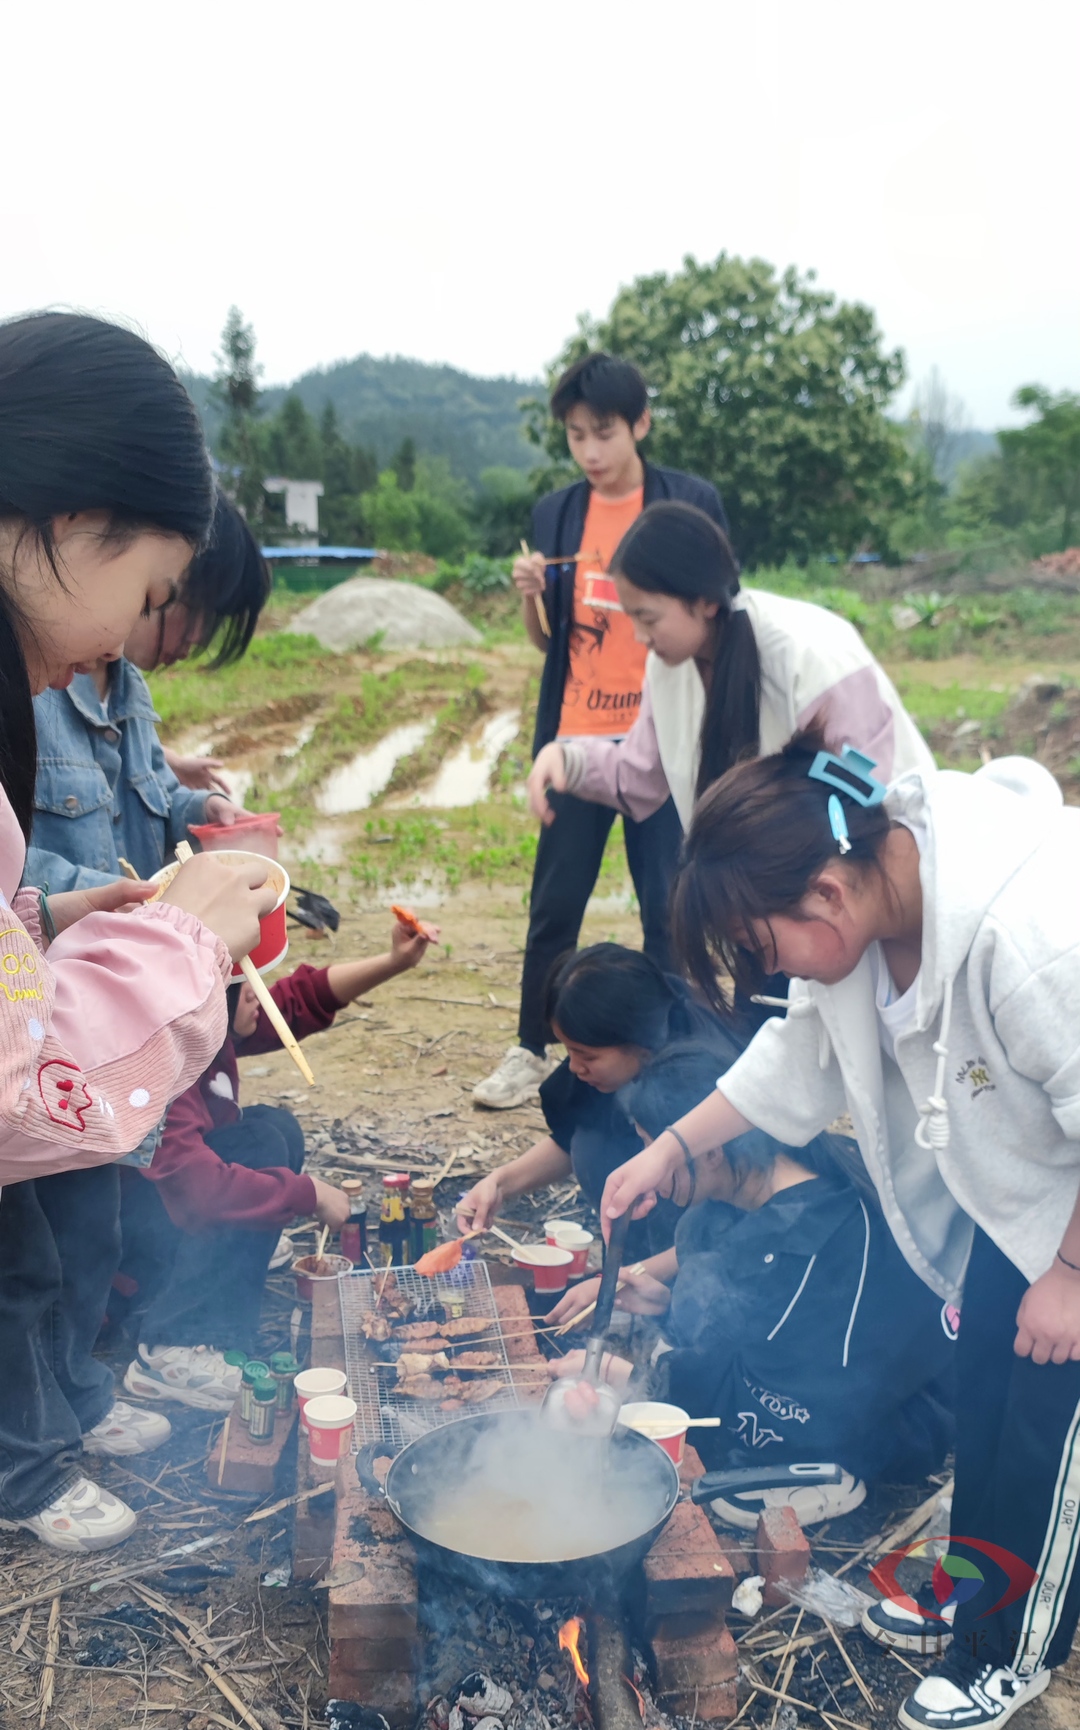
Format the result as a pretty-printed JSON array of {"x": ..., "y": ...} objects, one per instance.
[
  {"x": 254, "y": 1370},
  {"x": 353, "y": 1236},
  {"x": 283, "y": 1368},
  {"x": 263, "y": 1410}
]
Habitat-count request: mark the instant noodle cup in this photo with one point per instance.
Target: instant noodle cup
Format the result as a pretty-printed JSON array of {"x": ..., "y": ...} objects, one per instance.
[
  {"x": 316, "y": 1384},
  {"x": 328, "y": 1419},
  {"x": 273, "y": 944},
  {"x": 551, "y": 1226},
  {"x": 549, "y": 1265},
  {"x": 255, "y": 831},
  {"x": 665, "y": 1425},
  {"x": 577, "y": 1240}
]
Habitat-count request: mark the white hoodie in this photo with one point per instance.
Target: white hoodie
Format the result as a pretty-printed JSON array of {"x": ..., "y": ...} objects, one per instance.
[{"x": 989, "y": 1075}]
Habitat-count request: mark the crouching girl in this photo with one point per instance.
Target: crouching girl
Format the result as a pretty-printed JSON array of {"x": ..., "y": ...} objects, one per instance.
[
  {"x": 788, "y": 1312},
  {"x": 933, "y": 938}
]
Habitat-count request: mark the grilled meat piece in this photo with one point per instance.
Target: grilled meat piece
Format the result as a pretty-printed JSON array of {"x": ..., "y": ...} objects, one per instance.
[
  {"x": 477, "y": 1361},
  {"x": 420, "y": 1364},
  {"x": 421, "y": 1388},
  {"x": 467, "y": 1327},
  {"x": 375, "y": 1327},
  {"x": 422, "y": 1331},
  {"x": 475, "y": 1393}
]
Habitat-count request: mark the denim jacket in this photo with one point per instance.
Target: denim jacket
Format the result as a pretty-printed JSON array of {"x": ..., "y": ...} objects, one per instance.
[{"x": 104, "y": 790}]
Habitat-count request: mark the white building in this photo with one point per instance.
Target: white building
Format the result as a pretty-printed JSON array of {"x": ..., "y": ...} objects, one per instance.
[{"x": 301, "y": 503}]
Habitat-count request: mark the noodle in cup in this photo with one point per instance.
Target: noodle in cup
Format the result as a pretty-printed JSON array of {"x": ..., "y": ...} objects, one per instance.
[
  {"x": 273, "y": 944},
  {"x": 663, "y": 1424}
]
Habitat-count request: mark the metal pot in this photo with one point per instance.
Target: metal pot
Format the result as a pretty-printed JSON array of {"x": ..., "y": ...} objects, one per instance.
[{"x": 425, "y": 1479}]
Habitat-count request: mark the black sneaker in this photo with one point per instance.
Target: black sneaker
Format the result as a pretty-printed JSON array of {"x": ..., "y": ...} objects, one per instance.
[
  {"x": 961, "y": 1693},
  {"x": 911, "y": 1624}
]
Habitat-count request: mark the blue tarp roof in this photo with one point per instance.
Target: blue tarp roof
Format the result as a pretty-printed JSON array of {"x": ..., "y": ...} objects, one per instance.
[{"x": 320, "y": 552}]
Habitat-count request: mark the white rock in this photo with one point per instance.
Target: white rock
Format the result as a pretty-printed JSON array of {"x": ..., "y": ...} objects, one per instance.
[{"x": 402, "y": 615}]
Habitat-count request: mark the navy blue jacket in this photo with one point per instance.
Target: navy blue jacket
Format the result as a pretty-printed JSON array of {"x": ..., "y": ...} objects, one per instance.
[{"x": 558, "y": 522}]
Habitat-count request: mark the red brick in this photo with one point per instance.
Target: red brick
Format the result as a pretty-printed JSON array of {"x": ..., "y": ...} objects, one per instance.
[
  {"x": 391, "y": 1692},
  {"x": 740, "y": 1557},
  {"x": 698, "y": 1661},
  {"x": 691, "y": 1468},
  {"x": 783, "y": 1552},
  {"x": 251, "y": 1468},
  {"x": 380, "y": 1603},
  {"x": 313, "y": 1525},
  {"x": 325, "y": 1322},
  {"x": 709, "y": 1704}
]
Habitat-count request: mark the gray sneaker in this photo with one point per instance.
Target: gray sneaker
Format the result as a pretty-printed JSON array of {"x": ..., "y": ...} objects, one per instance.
[
  {"x": 84, "y": 1518},
  {"x": 515, "y": 1082}
]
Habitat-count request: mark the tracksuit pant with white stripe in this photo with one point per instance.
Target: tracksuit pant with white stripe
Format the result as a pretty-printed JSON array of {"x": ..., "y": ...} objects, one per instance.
[{"x": 1017, "y": 1477}]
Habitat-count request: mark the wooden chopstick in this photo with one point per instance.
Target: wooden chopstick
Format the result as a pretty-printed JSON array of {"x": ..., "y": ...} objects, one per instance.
[
  {"x": 541, "y": 610},
  {"x": 262, "y": 992},
  {"x": 588, "y": 1310}
]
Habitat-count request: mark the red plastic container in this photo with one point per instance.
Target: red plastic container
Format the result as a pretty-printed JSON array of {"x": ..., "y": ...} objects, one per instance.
[
  {"x": 254, "y": 831},
  {"x": 549, "y": 1266}
]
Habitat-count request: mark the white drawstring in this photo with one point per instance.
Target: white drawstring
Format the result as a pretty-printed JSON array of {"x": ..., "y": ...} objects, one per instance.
[
  {"x": 796, "y": 1007},
  {"x": 932, "y": 1129},
  {"x": 862, "y": 1280}
]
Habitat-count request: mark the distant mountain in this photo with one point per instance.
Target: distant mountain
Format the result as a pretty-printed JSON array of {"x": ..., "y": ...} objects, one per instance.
[{"x": 474, "y": 422}]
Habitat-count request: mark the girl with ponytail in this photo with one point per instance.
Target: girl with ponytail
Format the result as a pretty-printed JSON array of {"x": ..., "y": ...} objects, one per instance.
[{"x": 730, "y": 675}]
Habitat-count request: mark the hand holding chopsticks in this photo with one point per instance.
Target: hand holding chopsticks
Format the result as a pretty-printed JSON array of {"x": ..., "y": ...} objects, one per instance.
[{"x": 538, "y": 599}]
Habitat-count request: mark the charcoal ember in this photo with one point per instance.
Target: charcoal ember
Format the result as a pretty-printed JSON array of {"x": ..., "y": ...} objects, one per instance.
[
  {"x": 482, "y": 1697},
  {"x": 347, "y": 1715},
  {"x": 437, "y": 1713},
  {"x": 145, "y": 1622},
  {"x": 102, "y": 1654}
]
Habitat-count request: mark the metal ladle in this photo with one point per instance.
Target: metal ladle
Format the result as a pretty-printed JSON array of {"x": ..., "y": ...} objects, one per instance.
[{"x": 597, "y": 1409}]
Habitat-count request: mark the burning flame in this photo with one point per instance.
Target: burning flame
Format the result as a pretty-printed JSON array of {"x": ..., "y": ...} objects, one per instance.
[
  {"x": 639, "y": 1697},
  {"x": 569, "y": 1640}
]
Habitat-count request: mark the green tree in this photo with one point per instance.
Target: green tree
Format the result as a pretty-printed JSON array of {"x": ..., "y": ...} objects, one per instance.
[
  {"x": 501, "y": 510},
  {"x": 774, "y": 390},
  {"x": 403, "y": 464},
  {"x": 236, "y": 390},
  {"x": 291, "y": 443},
  {"x": 1041, "y": 461},
  {"x": 393, "y": 516}
]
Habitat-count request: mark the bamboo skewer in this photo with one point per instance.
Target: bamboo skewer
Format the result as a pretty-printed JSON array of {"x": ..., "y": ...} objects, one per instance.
[
  {"x": 581, "y": 1315},
  {"x": 541, "y": 610}
]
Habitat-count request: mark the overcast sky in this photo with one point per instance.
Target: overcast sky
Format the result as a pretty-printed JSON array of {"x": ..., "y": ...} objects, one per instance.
[{"x": 459, "y": 182}]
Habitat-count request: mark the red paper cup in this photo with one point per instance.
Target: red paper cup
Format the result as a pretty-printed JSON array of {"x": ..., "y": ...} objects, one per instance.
[
  {"x": 548, "y": 1265},
  {"x": 257, "y": 831},
  {"x": 315, "y": 1384},
  {"x": 551, "y": 1226},
  {"x": 328, "y": 1419},
  {"x": 306, "y": 1279},
  {"x": 578, "y": 1241},
  {"x": 273, "y": 944},
  {"x": 664, "y": 1425}
]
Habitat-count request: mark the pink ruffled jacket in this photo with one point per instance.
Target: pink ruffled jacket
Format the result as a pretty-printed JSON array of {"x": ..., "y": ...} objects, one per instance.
[{"x": 97, "y": 1035}]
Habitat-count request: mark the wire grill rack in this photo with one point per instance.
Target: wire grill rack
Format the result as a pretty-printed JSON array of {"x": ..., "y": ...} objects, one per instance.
[{"x": 381, "y": 1414}]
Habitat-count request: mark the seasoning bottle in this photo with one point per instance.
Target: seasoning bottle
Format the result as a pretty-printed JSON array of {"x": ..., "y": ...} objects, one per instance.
[
  {"x": 237, "y": 1359},
  {"x": 254, "y": 1370},
  {"x": 283, "y": 1368},
  {"x": 393, "y": 1224},
  {"x": 263, "y": 1409},
  {"x": 354, "y": 1231},
  {"x": 423, "y": 1220}
]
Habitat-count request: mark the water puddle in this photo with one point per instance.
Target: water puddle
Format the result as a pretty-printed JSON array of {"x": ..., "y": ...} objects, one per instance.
[
  {"x": 356, "y": 784},
  {"x": 240, "y": 781},
  {"x": 465, "y": 777},
  {"x": 321, "y": 846}
]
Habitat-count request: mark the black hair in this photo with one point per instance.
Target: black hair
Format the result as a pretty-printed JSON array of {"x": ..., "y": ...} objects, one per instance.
[
  {"x": 675, "y": 549},
  {"x": 228, "y": 584},
  {"x": 92, "y": 418},
  {"x": 683, "y": 1074},
  {"x": 610, "y": 995},
  {"x": 612, "y": 389},
  {"x": 757, "y": 840}
]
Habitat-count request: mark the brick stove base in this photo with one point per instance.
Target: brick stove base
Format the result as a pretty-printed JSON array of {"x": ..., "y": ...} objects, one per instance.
[{"x": 678, "y": 1607}]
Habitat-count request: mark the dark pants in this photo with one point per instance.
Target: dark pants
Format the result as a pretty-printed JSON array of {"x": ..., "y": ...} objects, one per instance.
[
  {"x": 59, "y": 1248},
  {"x": 568, "y": 857},
  {"x": 1017, "y": 1475},
  {"x": 205, "y": 1287}
]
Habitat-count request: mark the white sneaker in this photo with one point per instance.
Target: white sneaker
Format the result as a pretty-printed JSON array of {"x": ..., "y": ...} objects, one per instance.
[
  {"x": 283, "y": 1253},
  {"x": 84, "y": 1518},
  {"x": 516, "y": 1080},
  {"x": 811, "y": 1502},
  {"x": 195, "y": 1375},
  {"x": 916, "y": 1624},
  {"x": 961, "y": 1693},
  {"x": 127, "y": 1430}
]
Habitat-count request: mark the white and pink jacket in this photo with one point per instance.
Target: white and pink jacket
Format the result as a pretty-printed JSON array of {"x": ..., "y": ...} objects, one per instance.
[
  {"x": 124, "y": 1012},
  {"x": 814, "y": 666}
]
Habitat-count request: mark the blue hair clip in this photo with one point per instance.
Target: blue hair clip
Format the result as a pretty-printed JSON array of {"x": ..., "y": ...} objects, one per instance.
[
  {"x": 838, "y": 824},
  {"x": 850, "y": 773}
]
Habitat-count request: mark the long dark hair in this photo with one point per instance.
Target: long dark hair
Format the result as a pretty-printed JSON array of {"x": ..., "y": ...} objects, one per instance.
[
  {"x": 91, "y": 419},
  {"x": 683, "y": 1074},
  {"x": 229, "y": 585},
  {"x": 610, "y": 995},
  {"x": 757, "y": 840},
  {"x": 675, "y": 549}
]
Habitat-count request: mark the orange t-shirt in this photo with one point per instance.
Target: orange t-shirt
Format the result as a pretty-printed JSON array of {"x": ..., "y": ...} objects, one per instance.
[{"x": 602, "y": 694}]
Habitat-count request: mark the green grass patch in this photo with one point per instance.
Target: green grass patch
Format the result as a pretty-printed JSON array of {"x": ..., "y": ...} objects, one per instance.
[{"x": 931, "y": 705}]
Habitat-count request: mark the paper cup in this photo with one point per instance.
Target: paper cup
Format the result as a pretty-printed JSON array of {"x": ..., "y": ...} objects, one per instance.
[
  {"x": 577, "y": 1240},
  {"x": 273, "y": 944},
  {"x": 551, "y": 1226},
  {"x": 665, "y": 1425},
  {"x": 328, "y": 1419},
  {"x": 313, "y": 1384},
  {"x": 306, "y": 1278},
  {"x": 255, "y": 830},
  {"x": 549, "y": 1265}
]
